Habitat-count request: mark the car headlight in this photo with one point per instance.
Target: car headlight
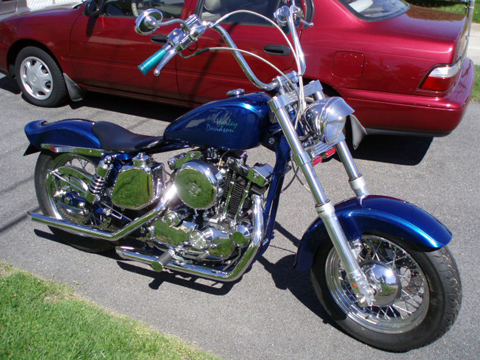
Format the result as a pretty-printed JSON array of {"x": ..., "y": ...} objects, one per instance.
[{"x": 327, "y": 117}]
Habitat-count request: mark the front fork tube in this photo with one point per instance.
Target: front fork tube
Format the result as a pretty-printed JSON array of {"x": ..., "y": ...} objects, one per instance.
[
  {"x": 324, "y": 207},
  {"x": 356, "y": 179}
]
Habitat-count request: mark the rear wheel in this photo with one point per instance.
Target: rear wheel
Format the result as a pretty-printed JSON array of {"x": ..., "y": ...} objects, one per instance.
[
  {"x": 60, "y": 183},
  {"x": 40, "y": 78},
  {"x": 417, "y": 294}
]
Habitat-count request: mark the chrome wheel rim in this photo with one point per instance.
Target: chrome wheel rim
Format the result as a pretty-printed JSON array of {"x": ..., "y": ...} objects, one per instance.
[
  {"x": 36, "y": 78},
  {"x": 65, "y": 187},
  {"x": 399, "y": 309}
]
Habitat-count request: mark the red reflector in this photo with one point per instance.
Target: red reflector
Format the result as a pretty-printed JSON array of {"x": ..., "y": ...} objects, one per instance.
[
  {"x": 317, "y": 160},
  {"x": 330, "y": 152},
  {"x": 323, "y": 156}
]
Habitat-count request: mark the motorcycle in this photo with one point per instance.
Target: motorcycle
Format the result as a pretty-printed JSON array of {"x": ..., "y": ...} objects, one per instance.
[{"x": 379, "y": 266}]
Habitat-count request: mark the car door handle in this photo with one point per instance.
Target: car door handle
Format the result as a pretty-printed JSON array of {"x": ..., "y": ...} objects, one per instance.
[
  {"x": 159, "y": 38},
  {"x": 280, "y": 50}
]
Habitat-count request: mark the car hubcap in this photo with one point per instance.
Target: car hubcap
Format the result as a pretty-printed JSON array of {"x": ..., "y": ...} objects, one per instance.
[{"x": 36, "y": 78}]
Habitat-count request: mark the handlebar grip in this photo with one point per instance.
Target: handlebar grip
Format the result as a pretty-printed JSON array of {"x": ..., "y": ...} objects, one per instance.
[{"x": 152, "y": 61}]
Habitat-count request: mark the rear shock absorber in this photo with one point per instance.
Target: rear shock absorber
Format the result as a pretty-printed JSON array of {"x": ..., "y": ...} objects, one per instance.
[{"x": 97, "y": 185}]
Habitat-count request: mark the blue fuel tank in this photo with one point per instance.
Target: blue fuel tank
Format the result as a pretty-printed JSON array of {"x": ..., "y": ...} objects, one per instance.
[{"x": 236, "y": 123}]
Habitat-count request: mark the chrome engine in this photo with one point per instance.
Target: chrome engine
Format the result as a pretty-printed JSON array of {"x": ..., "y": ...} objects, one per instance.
[
  {"x": 209, "y": 220},
  {"x": 209, "y": 206}
]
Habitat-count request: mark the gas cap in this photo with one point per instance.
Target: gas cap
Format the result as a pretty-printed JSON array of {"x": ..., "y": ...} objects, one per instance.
[{"x": 236, "y": 92}]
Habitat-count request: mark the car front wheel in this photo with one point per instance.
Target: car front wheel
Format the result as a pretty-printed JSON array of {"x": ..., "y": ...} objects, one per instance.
[{"x": 40, "y": 78}]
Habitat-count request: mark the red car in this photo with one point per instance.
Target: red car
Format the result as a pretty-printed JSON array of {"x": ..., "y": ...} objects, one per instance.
[{"x": 402, "y": 68}]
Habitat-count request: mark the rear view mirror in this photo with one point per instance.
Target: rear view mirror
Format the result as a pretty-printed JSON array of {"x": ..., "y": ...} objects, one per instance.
[
  {"x": 148, "y": 21},
  {"x": 93, "y": 7}
]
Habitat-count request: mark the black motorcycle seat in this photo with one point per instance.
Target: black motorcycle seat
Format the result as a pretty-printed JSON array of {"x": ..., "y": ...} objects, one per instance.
[{"x": 118, "y": 139}]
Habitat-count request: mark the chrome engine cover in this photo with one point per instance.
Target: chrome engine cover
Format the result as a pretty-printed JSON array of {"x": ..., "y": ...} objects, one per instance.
[
  {"x": 138, "y": 186},
  {"x": 199, "y": 184},
  {"x": 214, "y": 242}
]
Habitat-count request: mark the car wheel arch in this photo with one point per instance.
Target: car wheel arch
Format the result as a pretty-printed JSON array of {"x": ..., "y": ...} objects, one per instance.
[{"x": 19, "y": 46}]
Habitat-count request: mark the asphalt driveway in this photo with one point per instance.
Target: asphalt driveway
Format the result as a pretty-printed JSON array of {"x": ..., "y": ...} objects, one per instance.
[{"x": 271, "y": 313}]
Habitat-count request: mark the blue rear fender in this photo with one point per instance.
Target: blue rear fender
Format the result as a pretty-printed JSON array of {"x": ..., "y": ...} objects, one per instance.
[
  {"x": 380, "y": 215},
  {"x": 69, "y": 132}
]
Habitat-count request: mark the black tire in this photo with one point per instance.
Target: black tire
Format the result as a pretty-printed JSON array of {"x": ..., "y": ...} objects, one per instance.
[
  {"x": 418, "y": 312},
  {"x": 49, "y": 200},
  {"x": 40, "y": 78}
]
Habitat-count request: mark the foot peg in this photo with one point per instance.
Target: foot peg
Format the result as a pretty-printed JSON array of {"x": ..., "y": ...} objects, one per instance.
[{"x": 157, "y": 263}]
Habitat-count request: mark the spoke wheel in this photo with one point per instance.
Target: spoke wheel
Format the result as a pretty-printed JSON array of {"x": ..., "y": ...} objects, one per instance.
[
  {"x": 40, "y": 78},
  {"x": 401, "y": 288},
  {"x": 60, "y": 183},
  {"x": 417, "y": 293}
]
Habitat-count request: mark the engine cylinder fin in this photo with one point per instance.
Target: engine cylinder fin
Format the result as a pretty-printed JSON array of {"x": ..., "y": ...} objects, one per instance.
[{"x": 236, "y": 197}]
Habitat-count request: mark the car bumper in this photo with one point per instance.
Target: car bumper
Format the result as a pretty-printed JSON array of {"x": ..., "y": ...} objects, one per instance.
[{"x": 382, "y": 112}]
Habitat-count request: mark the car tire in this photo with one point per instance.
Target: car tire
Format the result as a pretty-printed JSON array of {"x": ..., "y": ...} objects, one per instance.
[{"x": 40, "y": 78}]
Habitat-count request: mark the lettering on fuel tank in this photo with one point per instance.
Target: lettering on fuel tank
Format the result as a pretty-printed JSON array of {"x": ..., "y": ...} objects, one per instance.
[{"x": 222, "y": 122}]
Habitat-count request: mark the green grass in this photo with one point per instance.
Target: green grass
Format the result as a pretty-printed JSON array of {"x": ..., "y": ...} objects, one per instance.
[
  {"x": 449, "y": 5},
  {"x": 476, "y": 13},
  {"x": 476, "y": 86},
  {"x": 45, "y": 320}
]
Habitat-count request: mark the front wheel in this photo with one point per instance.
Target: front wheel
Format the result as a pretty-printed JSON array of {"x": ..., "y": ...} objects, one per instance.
[{"x": 417, "y": 293}]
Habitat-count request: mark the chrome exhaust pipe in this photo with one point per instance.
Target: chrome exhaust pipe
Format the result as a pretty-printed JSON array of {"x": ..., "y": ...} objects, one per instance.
[
  {"x": 105, "y": 235},
  {"x": 159, "y": 263}
]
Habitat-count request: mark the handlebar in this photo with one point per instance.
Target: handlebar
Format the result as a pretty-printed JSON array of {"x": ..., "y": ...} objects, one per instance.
[
  {"x": 154, "y": 60},
  {"x": 193, "y": 28}
]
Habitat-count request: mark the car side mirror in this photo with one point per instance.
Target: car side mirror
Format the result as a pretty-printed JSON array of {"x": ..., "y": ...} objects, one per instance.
[
  {"x": 148, "y": 21},
  {"x": 92, "y": 8}
]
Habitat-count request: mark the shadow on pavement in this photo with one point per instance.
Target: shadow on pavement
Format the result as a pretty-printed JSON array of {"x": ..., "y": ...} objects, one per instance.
[
  {"x": 401, "y": 150},
  {"x": 297, "y": 282},
  {"x": 191, "y": 282},
  {"x": 135, "y": 107},
  {"x": 9, "y": 84}
]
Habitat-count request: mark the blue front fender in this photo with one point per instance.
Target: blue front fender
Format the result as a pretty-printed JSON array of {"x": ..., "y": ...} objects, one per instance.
[
  {"x": 70, "y": 132},
  {"x": 376, "y": 214}
]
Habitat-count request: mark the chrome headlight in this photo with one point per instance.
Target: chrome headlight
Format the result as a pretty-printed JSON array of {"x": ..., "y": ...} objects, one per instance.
[{"x": 327, "y": 118}]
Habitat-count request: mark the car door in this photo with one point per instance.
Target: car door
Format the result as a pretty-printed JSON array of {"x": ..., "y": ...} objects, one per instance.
[
  {"x": 210, "y": 75},
  {"x": 106, "y": 50}
]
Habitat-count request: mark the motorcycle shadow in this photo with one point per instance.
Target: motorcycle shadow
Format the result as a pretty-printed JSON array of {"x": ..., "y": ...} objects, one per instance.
[
  {"x": 298, "y": 283},
  {"x": 157, "y": 279},
  {"x": 282, "y": 272}
]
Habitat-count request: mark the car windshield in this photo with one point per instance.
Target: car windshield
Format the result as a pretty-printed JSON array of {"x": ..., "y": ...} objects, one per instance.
[{"x": 372, "y": 10}]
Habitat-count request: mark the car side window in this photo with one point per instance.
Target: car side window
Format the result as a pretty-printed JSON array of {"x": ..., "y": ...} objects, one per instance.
[
  {"x": 132, "y": 8},
  {"x": 212, "y": 10}
]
